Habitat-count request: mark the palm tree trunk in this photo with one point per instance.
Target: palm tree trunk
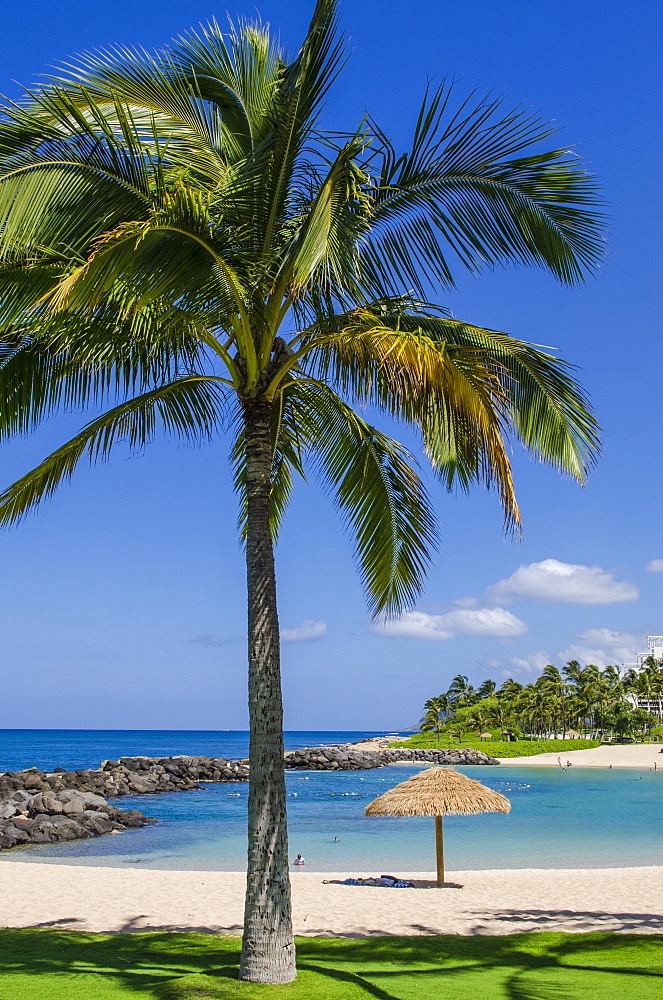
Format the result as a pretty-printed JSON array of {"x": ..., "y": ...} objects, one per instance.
[{"x": 268, "y": 950}]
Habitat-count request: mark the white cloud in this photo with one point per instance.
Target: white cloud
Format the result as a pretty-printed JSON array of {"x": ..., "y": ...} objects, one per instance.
[
  {"x": 480, "y": 621},
  {"x": 655, "y": 566},
  {"x": 602, "y": 646},
  {"x": 466, "y": 602},
  {"x": 532, "y": 664},
  {"x": 599, "y": 646},
  {"x": 551, "y": 580},
  {"x": 308, "y": 631}
]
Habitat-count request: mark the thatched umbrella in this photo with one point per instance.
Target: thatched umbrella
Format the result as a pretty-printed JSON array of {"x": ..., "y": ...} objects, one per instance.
[
  {"x": 438, "y": 792},
  {"x": 486, "y": 736}
]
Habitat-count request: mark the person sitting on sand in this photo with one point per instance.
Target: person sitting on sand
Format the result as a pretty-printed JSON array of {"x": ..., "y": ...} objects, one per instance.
[
  {"x": 299, "y": 860},
  {"x": 568, "y": 763}
]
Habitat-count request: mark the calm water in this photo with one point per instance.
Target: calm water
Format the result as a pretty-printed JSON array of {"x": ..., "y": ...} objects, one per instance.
[
  {"x": 575, "y": 818},
  {"x": 79, "y": 748}
]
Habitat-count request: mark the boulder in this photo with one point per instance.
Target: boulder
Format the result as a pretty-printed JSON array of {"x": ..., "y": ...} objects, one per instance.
[
  {"x": 96, "y": 822},
  {"x": 46, "y": 802},
  {"x": 21, "y": 797},
  {"x": 72, "y": 802},
  {"x": 93, "y": 801},
  {"x": 18, "y": 836},
  {"x": 23, "y": 823}
]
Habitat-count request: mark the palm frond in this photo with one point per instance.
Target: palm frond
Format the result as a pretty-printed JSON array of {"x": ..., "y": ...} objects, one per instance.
[
  {"x": 473, "y": 189},
  {"x": 323, "y": 249},
  {"x": 52, "y": 363},
  {"x": 190, "y": 408},
  {"x": 238, "y": 72},
  {"x": 382, "y": 501},
  {"x": 466, "y": 388},
  {"x": 302, "y": 90}
]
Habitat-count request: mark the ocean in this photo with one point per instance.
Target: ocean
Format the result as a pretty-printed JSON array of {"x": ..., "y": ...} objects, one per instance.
[
  {"x": 81, "y": 748},
  {"x": 574, "y": 818}
]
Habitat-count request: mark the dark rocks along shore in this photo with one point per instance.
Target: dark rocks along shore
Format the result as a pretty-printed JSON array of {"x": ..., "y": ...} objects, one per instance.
[
  {"x": 346, "y": 758},
  {"x": 43, "y": 807}
]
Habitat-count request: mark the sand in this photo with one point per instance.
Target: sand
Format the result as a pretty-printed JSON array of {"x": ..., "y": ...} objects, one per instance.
[
  {"x": 627, "y": 755},
  {"x": 479, "y": 902}
]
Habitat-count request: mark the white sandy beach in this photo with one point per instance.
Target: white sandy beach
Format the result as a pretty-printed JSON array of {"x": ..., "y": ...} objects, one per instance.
[
  {"x": 479, "y": 902},
  {"x": 618, "y": 755},
  {"x": 626, "y": 755}
]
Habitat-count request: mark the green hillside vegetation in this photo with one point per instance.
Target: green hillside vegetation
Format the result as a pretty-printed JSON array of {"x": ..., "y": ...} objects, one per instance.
[
  {"x": 572, "y": 709},
  {"x": 64, "y": 965}
]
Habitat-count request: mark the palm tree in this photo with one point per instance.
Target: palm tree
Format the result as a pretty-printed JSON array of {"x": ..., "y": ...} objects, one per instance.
[
  {"x": 509, "y": 690},
  {"x": 182, "y": 248},
  {"x": 555, "y": 685},
  {"x": 435, "y": 715},
  {"x": 461, "y": 692},
  {"x": 500, "y": 715},
  {"x": 487, "y": 689}
]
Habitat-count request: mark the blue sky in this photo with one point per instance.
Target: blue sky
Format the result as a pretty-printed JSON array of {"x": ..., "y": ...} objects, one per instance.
[{"x": 122, "y": 603}]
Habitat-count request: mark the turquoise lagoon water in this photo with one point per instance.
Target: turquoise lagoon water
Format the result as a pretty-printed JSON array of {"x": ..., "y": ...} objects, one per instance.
[{"x": 559, "y": 819}]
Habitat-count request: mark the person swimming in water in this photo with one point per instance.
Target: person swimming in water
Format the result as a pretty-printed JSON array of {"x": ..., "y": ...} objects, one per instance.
[{"x": 299, "y": 860}]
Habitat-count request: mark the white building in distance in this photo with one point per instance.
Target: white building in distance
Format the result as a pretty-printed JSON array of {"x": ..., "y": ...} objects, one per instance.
[{"x": 654, "y": 649}]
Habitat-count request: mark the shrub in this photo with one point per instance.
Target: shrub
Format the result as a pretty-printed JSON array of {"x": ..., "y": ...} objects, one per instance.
[{"x": 497, "y": 748}]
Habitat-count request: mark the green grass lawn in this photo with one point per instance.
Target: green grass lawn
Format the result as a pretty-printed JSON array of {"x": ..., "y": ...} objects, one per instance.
[
  {"x": 65, "y": 965},
  {"x": 496, "y": 748}
]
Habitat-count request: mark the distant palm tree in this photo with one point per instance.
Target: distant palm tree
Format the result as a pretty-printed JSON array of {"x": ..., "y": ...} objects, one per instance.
[
  {"x": 461, "y": 691},
  {"x": 509, "y": 690},
  {"x": 487, "y": 689},
  {"x": 436, "y": 711},
  {"x": 181, "y": 242},
  {"x": 556, "y": 687}
]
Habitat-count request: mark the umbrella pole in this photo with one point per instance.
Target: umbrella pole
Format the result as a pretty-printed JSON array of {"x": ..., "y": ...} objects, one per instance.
[{"x": 439, "y": 850}]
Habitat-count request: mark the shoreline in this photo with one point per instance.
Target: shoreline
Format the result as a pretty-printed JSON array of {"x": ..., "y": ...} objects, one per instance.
[
  {"x": 635, "y": 755},
  {"x": 495, "y": 901}
]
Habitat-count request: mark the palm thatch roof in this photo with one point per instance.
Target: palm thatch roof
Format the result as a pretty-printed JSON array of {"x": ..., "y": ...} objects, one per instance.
[
  {"x": 438, "y": 791},
  {"x": 486, "y": 736}
]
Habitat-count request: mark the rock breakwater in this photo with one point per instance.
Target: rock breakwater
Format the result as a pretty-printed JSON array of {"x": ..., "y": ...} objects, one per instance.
[
  {"x": 462, "y": 756},
  {"x": 147, "y": 775},
  {"x": 346, "y": 758},
  {"x": 43, "y": 807},
  {"x": 46, "y": 817}
]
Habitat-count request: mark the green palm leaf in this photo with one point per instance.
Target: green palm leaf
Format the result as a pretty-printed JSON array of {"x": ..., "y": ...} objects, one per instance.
[
  {"x": 189, "y": 408},
  {"x": 461, "y": 193},
  {"x": 382, "y": 501}
]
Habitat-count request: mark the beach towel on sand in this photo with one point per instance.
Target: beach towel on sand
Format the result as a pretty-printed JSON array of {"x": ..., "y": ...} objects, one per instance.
[{"x": 388, "y": 881}]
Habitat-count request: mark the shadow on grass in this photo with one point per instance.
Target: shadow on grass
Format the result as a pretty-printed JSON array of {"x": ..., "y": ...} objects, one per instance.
[{"x": 188, "y": 966}]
